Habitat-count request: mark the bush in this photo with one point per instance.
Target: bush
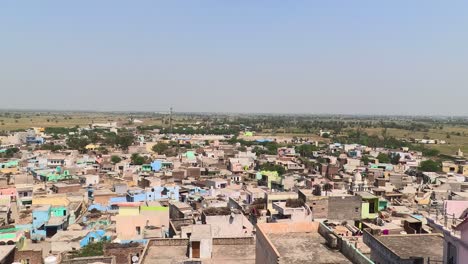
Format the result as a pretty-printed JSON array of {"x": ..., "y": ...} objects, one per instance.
[
  {"x": 115, "y": 159},
  {"x": 429, "y": 166}
]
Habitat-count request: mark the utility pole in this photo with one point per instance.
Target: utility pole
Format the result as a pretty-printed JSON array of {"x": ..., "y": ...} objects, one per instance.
[{"x": 170, "y": 120}]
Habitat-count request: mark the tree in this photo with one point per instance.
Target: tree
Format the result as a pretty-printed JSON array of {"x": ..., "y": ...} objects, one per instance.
[
  {"x": 124, "y": 140},
  {"x": 137, "y": 159},
  {"x": 306, "y": 150},
  {"x": 395, "y": 159},
  {"x": 9, "y": 153},
  {"x": 365, "y": 160},
  {"x": 429, "y": 166},
  {"x": 383, "y": 158},
  {"x": 103, "y": 150},
  {"x": 91, "y": 250},
  {"x": 77, "y": 143},
  {"x": 317, "y": 190},
  {"x": 160, "y": 147},
  {"x": 327, "y": 187},
  {"x": 326, "y": 135},
  {"x": 273, "y": 167},
  {"x": 115, "y": 159}
]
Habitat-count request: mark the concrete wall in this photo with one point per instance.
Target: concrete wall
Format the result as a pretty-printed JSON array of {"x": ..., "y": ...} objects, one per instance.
[
  {"x": 265, "y": 252},
  {"x": 226, "y": 226},
  {"x": 234, "y": 241},
  {"x": 380, "y": 253},
  {"x": 353, "y": 254},
  {"x": 329, "y": 235},
  {"x": 278, "y": 228},
  {"x": 126, "y": 224},
  {"x": 344, "y": 208},
  {"x": 86, "y": 260},
  {"x": 168, "y": 242}
]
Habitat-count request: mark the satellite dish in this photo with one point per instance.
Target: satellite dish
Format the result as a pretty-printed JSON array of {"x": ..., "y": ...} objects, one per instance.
[{"x": 135, "y": 259}]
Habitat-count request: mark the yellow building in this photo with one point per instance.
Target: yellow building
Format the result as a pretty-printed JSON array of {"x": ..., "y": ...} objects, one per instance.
[
  {"x": 53, "y": 200},
  {"x": 464, "y": 169},
  {"x": 9, "y": 170},
  {"x": 449, "y": 167},
  {"x": 129, "y": 210},
  {"x": 92, "y": 147}
]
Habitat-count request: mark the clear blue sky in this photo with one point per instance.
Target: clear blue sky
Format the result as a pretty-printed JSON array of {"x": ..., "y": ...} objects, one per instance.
[{"x": 370, "y": 57}]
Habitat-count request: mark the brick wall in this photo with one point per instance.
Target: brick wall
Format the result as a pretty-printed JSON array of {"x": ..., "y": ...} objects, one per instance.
[
  {"x": 34, "y": 256},
  {"x": 123, "y": 254},
  {"x": 319, "y": 207}
]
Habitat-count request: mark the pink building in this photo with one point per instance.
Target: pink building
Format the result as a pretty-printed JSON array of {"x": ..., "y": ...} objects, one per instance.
[
  {"x": 455, "y": 208},
  {"x": 9, "y": 192},
  {"x": 456, "y": 244}
]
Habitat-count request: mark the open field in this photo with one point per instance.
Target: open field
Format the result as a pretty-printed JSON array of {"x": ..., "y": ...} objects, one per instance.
[
  {"x": 454, "y": 142},
  {"x": 28, "y": 119},
  {"x": 456, "y": 136}
]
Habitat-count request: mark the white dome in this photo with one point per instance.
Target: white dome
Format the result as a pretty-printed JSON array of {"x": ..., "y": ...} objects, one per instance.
[
  {"x": 357, "y": 177},
  {"x": 50, "y": 260},
  {"x": 365, "y": 182}
]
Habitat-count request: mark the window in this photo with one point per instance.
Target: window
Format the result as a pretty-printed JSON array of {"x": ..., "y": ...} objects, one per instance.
[
  {"x": 138, "y": 230},
  {"x": 25, "y": 261},
  {"x": 356, "y": 209}
]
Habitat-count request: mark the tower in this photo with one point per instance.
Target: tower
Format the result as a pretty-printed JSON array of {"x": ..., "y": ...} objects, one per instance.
[{"x": 459, "y": 153}]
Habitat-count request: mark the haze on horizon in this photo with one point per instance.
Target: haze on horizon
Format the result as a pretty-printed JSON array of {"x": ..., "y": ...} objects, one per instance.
[{"x": 347, "y": 57}]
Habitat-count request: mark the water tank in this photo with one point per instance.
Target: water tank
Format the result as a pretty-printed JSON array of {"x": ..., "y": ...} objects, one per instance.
[{"x": 50, "y": 260}]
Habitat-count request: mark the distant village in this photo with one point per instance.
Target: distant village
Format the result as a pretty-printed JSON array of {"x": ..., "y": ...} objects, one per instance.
[{"x": 117, "y": 193}]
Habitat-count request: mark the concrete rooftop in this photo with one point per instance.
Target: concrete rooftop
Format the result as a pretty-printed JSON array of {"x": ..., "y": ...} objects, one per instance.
[
  {"x": 302, "y": 248},
  {"x": 406, "y": 246}
]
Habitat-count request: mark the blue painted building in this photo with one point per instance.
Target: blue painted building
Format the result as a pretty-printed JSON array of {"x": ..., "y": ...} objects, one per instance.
[
  {"x": 94, "y": 236},
  {"x": 47, "y": 220},
  {"x": 154, "y": 194},
  {"x": 35, "y": 140}
]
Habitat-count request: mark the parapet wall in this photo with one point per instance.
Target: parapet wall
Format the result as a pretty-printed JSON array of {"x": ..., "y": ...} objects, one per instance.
[
  {"x": 168, "y": 242},
  {"x": 234, "y": 241},
  {"x": 280, "y": 228}
]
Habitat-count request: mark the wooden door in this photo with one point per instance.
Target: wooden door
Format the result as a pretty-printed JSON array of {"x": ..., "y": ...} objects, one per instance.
[{"x": 195, "y": 249}]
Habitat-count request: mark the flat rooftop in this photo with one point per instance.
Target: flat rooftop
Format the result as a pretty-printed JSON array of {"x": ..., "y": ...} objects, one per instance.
[
  {"x": 166, "y": 254},
  {"x": 407, "y": 246},
  {"x": 302, "y": 248},
  {"x": 226, "y": 254}
]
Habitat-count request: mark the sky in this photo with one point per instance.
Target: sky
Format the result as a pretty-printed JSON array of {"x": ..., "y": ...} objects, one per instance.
[{"x": 309, "y": 57}]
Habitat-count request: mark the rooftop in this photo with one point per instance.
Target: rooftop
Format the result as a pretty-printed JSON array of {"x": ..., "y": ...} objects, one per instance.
[
  {"x": 305, "y": 248},
  {"x": 407, "y": 246},
  {"x": 5, "y": 251}
]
